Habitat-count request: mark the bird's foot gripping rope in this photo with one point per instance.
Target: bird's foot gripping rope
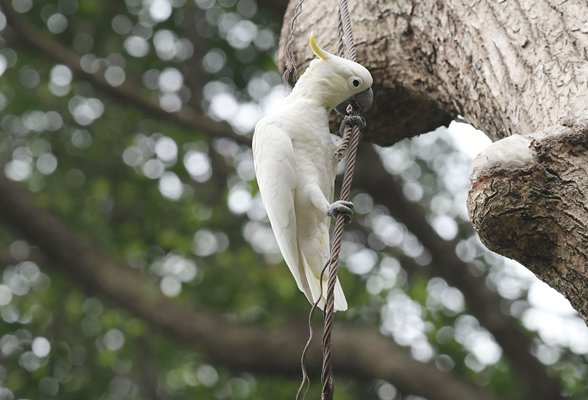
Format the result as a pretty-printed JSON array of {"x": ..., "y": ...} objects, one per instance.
[
  {"x": 352, "y": 120},
  {"x": 348, "y": 121},
  {"x": 340, "y": 207}
]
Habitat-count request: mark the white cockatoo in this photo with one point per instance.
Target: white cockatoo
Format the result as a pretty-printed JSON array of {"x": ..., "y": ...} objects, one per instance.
[{"x": 295, "y": 165}]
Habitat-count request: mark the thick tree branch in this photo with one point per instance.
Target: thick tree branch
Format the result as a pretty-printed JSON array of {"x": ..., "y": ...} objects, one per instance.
[
  {"x": 400, "y": 110},
  {"x": 360, "y": 353},
  {"x": 528, "y": 202},
  {"x": 482, "y": 303},
  {"x": 127, "y": 93},
  {"x": 506, "y": 67}
]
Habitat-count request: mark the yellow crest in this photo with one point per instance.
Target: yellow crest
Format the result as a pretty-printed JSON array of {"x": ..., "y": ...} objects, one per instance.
[{"x": 320, "y": 53}]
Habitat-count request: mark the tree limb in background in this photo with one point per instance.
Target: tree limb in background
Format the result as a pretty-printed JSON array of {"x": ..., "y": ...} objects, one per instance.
[
  {"x": 363, "y": 353},
  {"x": 127, "y": 93},
  {"x": 482, "y": 303}
]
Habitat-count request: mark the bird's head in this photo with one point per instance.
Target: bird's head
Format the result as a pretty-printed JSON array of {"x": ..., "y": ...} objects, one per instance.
[{"x": 331, "y": 79}]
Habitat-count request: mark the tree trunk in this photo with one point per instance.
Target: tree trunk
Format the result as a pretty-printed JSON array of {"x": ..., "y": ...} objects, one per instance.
[{"x": 510, "y": 67}]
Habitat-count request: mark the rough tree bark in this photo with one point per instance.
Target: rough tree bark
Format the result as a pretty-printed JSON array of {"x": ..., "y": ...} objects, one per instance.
[
  {"x": 535, "y": 210},
  {"x": 510, "y": 67}
]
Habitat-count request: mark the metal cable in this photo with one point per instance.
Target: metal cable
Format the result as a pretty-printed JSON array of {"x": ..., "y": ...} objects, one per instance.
[
  {"x": 327, "y": 373},
  {"x": 352, "y": 133},
  {"x": 345, "y": 24}
]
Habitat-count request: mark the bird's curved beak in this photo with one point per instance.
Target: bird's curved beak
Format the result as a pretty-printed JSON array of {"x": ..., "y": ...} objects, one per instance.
[{"x": 362, "y": 100}]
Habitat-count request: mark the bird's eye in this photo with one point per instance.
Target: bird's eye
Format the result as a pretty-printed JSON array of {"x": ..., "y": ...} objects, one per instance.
[{"x": 355, "y": 81}]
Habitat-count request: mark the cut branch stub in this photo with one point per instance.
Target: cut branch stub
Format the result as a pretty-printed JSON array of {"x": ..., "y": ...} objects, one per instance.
[{"x": 535, "y": 209}]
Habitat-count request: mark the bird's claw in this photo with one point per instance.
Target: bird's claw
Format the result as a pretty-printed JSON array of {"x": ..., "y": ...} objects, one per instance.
[
  {"x": 340, "y": 207},
  {"x": 350, "y": 120}
]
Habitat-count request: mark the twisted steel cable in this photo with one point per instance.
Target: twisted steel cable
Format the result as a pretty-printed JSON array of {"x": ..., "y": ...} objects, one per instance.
[{"x": 351, "y": 136}]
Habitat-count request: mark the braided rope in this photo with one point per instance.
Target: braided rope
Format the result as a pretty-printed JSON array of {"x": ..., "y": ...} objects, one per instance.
[
  {"x": 351, "y": 135},
  {"x": 345, "y": 24},
  {"x": 333, "y": 265}
]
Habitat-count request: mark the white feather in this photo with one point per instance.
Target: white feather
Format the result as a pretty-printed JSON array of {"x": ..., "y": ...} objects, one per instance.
[{"x": 295, "y": 165}]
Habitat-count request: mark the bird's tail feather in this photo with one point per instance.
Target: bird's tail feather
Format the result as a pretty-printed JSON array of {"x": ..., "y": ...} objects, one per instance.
[{"x": 313, "y": 289}]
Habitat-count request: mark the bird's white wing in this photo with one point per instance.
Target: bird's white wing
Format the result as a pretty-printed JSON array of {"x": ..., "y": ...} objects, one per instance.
[
  {"x": 273, "y": 157},
  {"x": 275, "y": 167}
]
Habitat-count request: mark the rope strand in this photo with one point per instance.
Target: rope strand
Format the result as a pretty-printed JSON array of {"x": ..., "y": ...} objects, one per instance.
[
  {"x": 290, "y": 70},
  {"x": 327, "y": 373},
  {"x": 345, "y": 23},
  {"x": 353, "y": 133},
  {"x": 305, "y": 379}
]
